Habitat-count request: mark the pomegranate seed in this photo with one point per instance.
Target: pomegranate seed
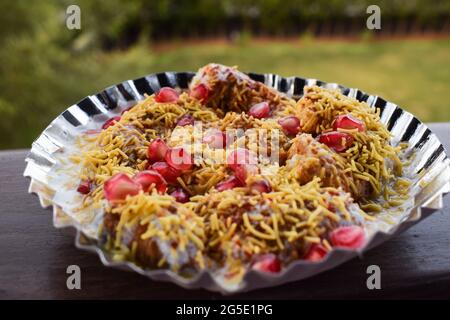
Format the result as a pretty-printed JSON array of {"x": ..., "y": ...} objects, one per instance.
[
  {"x": 267, "y": 263},
  {"x": 290, "y": 125},
  {"x": 242, "y": 171},
  {"x": 157, "y": 150},
  {"x": 186, "y": 120},
  {"x": 84, "y": 187},
  {"x": 147, "y": 178},
  {"x": 119, "y": 187},
  {"x": 352, "y": 237},
  {"x": 200, "y": 92},
  {"x": 230, "y": 183},
  {"x": 179, "y": 159},
  {"x": 347, "y": 121},
  {"x": 169, "y": 174},
  {"x": 241, "y": 156},
  {"x": 316, "y": 253},
  {"x": 338, "y": 141},
  {"x": 110, "y": 122},
  {"x": 260, "y": 110},
  {"x": 216, "y": 140},
  {"x": 180, "y": 195},
  {"x": 262, "y": 186},
  {"x": 126, "y": 110},
  {"x": 166, "y": 95}
]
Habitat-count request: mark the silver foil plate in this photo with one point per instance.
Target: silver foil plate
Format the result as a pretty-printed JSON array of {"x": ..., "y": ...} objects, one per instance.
[{"x": 48, "y": 150}]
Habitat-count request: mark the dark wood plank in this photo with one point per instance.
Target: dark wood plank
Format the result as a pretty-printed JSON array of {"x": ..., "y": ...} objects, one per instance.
[{"x": 34, "y": 257}]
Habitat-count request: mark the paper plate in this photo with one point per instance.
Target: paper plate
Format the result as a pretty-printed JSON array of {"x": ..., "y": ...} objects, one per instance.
[{"x": 48, "y": 151}]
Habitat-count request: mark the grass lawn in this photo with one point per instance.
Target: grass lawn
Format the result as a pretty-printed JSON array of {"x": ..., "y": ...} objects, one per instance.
[
  {"x": 40, "y": 84},
  {"x": 413, "y": 74}
]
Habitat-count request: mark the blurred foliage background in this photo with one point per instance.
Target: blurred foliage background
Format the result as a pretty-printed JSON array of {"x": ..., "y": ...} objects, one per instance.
[{"x": 45, "y": 67}]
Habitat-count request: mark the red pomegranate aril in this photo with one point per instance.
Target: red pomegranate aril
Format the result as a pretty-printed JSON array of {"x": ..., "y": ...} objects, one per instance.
[
  {"x": 166, "y": 95},
  {"x": 260, "y": 110},
  {"x": 230, "y": 183},
  {"x": 261, "y": 186},
  {"x": 119, "y": 186},
  {"x": 180, "y": 195},
  {"x": 290, "y": 125},
  {"x": 216, "y": 140},
  {"x": 108, "y": 123},
  {"x": 267, "y": 263},
  {"x": 241, "y": 156},
  {"x": 179, "y": 159},
  {"x": 316, "y": 253},
  {"x": 157, "y": 150},
  {"x": 169, "y": 174},
  {"x": 149, "y": 178},
  {"x": 186, "y": 120},
  {"x": 351, "y": 237},
  {"x": 338, "y": 141},
  {"x": 200, "y": 92},
  {"x": 84, "y": 187},
  {"x": 347, "y": 121},
  {"x": 242, "y": 171},
  {"x": 126, "y": 110}
]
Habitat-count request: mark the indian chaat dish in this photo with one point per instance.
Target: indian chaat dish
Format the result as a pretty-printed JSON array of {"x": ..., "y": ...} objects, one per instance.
[{"x": 232, "y": 175}]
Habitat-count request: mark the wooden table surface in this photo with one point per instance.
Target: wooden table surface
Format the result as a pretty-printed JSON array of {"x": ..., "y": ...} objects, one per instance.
[{"x": 34, "y": 257}]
